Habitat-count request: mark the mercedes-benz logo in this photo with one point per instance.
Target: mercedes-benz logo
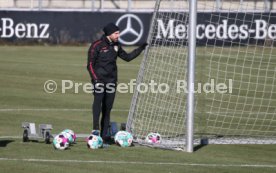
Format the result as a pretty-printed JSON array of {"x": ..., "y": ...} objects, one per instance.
[{"x": 135, "y": 33}]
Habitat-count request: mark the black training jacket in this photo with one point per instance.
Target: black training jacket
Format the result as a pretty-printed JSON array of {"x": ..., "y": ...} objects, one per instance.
[{"x": 102, "y": 56}]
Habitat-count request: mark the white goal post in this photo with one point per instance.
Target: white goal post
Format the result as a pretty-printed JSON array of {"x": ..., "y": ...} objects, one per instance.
[{"x": 232, "y": 75}]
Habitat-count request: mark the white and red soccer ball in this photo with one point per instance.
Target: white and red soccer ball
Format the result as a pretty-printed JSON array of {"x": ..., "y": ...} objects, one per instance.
[
  {"x": 64, "y": 139},
  {"x": 154, "y": 138},
  {"x": 60, "y": 142},
  {"x": 94, "y": 142},
  {"x": 123, "y": 139},
  {"x": 70, "y": 134}
]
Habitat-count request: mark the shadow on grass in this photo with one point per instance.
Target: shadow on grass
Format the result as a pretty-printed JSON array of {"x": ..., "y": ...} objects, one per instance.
[
  {"x": 198, "y": 147},
  {"x": 4, "y": 143}
]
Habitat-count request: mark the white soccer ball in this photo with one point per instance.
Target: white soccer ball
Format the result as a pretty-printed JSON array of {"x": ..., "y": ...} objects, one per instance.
[
  {"x": 94, "y": 142},
  {"x": 60, "y": 142},
  {"x": 123, "y": 139},
  {"x": 153, "y": 138},
  {"x": 70, "y": 134}
]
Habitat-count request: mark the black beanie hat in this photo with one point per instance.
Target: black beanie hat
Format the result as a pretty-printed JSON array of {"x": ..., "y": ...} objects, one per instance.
[{"x": 110, "y": 29}]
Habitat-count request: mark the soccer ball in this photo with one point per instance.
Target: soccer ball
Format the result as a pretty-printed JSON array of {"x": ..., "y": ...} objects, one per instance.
[
  {"x": 70, "y": 134},
  {"x": 123, "y": 138},
  {"x": 94, "y": 142},
  {"x": 153, "y": 138},
  {"x": 60, "y": 142}
]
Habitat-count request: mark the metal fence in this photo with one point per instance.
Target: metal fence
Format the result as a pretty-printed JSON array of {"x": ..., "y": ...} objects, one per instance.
[{"x": 130, "y": 5}]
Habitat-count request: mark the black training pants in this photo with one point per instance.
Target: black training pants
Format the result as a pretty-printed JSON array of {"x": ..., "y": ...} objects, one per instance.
[{"x": 103, "y": 102}]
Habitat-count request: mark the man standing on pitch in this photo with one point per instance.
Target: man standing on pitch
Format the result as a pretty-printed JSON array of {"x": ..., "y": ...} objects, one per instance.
[{"x": 102, "y": 67}]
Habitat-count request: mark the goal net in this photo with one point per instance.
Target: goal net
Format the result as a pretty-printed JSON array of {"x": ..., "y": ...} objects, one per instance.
[{"x": 235, "y": 88}]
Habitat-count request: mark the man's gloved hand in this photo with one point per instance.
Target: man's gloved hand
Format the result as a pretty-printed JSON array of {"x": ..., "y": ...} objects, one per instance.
[{"x": 144, "y": 45}]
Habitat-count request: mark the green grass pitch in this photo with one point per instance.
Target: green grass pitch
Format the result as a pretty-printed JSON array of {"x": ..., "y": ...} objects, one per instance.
[{"x": 23, "y": 71}]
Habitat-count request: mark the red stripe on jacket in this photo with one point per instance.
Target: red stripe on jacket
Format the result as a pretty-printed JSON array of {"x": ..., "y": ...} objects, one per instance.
[{"x": 90, "y": 65}]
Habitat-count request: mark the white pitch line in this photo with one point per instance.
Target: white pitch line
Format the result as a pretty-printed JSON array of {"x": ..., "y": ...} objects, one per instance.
[
  {"x": 56, "y": 110},
  {"x": 82, "y": 110},
  {"x": 84, "y": 65},
  {"x": 141, "y": 163},
  {"x": 79, "y": 135},
  {"x": 10, "y": 137}
]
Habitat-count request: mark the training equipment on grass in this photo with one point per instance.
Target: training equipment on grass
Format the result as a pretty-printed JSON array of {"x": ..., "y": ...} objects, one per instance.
[
  {"x": 60, "y": 142},
  {"x": 94, "y": 142},
  {"x": 153, "y": 138},
  {"x": 30, "y": 132},
  {"x": 236, "y": 59},
  {"x": 123, "y": 139}
]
